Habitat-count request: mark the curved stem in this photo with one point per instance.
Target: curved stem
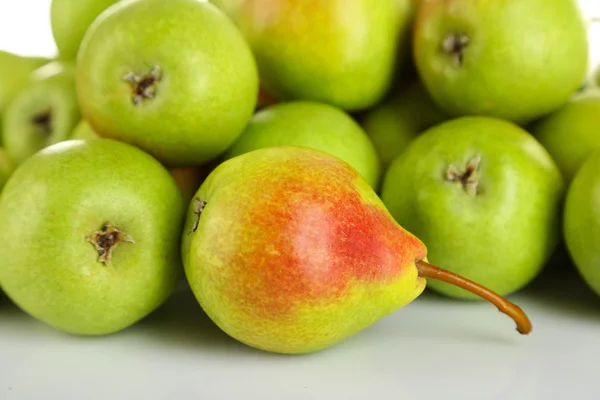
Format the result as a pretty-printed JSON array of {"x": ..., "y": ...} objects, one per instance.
[{"x": 427, "y": 270}]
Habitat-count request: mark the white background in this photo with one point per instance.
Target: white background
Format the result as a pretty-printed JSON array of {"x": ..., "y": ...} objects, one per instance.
[{"x": 434, "y": 348}]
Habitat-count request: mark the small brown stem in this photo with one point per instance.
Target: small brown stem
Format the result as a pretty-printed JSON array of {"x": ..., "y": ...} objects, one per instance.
[{"x": 427, "y": 270}]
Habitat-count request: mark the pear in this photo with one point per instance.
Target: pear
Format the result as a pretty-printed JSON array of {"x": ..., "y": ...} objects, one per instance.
[
  {"x": 83, "y": 130},
  {"x": 484, "y": 195},
  {"x": 289, "y": 250},
  {"x": 43, "y": 113},
  {"x": 511, "y": 59},
  {"x": 310, "y": 124},
  {"x": 69, "y": 21},
  {"x": 175, "y": 79},
  {"x": 15, "y": 71},
  {"x": 7, "y": 166},
  {"x": 229, "y": 7},
  {"x": 394, "y": 123},
  {"x": 582, "y": 221},
  {"x": 596, "y": 76},
  {"x": 90, "y": 236},
  {"x": 571, "y": 132},
  {"x": 340, "y": 52}
]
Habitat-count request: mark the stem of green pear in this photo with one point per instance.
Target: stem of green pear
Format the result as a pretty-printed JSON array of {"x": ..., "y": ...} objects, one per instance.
[{"x": 427, "y": 270}]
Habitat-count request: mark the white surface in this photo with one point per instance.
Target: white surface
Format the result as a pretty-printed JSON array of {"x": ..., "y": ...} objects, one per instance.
[{"x": 434, "y": 348}]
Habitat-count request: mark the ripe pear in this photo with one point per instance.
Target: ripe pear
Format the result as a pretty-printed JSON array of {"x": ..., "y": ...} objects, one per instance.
[
  {"x": 310, "y": 124},
  {"x": 340, "y": 52},
  {"x": 43, "y": 113},
  {"x": 582, "y": 221},
  {"x": 572, "y": 132},
  {"x": 176, "y": 79},
  {"x": 289, "y": 250},
  {"x": 69, "y": 20},
  {"x": 91, "y": 236},
  {"x": 511, "y": 59},
  {"x": 7, "y": 166},
  {"x": 15, "y": 71},
  {"x": 394, "y": 123},
  {"x": 484, "y": 195}
]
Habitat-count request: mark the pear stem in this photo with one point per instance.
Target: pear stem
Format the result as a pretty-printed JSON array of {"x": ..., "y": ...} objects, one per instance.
[{"x": 427, "y": 270}]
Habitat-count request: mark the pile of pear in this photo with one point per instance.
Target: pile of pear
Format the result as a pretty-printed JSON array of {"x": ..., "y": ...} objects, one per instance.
[{"x": 306, "y": 167}]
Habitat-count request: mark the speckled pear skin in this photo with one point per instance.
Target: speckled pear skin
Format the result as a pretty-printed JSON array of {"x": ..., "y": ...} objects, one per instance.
[{"x": 294, "y": 252}]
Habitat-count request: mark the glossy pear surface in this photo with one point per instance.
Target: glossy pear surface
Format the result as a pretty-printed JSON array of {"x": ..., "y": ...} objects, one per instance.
[
  {"x": 340, "y": 52},
  {"x": 484, "y": 196},
  {"x": 582, "y": 221},
  {"x": 511, "y": 59},
  {"x": 289, "y": 250},
  {"x": 572, "y": 132},
  {"x": 90, "y": 238},
  {"x": 175, "y": 78},
  {"x": 310, "y": 124}
]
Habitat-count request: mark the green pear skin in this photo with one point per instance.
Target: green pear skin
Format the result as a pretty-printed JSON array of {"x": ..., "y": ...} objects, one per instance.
[
  {"x": 43, "y": 113},
  {"x": 15, "y": 71},
  {"x": 511, "y": 59},
  {"x": 288, "y": 250},
  {"x": 484, "y": 196},
  {"x": 69, "y": 21},
  {"x": 90, "y": 238},
  {"x": 572, "y": 132},
  {"x": 339, "y": 52},
  {"x": 229, "y": 7},
  {"x": 582, "y": 221},
  {"x": 175, "y": 79},
  {"x": 83, "y": 130},
  {"x": 310, "y": 124},
  {"x": 394, "y": 123},
  {"x": 7, "y": 166}
]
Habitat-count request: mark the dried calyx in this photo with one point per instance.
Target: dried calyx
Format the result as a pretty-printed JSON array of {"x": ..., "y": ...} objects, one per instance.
[
  {"x": 454, "y": 45},
  {"x": 143, "y": 87},
  {"x": 43, "y": 121},
  {"x": 106, "y": 240},
  {"x": 467, "y": 177},
  {"x": 199, "y": 206}
]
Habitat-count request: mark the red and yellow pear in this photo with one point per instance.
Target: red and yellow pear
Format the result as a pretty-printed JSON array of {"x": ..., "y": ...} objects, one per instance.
[{"x": 289, "y": 250}]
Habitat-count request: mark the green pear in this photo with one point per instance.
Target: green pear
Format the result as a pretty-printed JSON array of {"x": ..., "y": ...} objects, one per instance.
[
  {"x": 83, "y": 130},
  {"x": 229, "y": 7},
  {"x": 582, "y": 221},
  {"x": 395, "y": 122},
  {"x": 180, "y": 85},
  {"x": 596, "y": 76},
  {"x": 43, "y": 113},
  {"x": 289, "y": 250},
  {"x": 339, "y": 52},
  {"x": 90, "y": 238},
  {"x": 484, "y": 195},
  {"x": 15, "y": 71},
  {"x": 7, "y": 166},
  {"x": 310, "y": 124},
  {"x": 69, "y": 20},
  {"x": 511, "y": 59},
  {"x": 571, "y": 132}
]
